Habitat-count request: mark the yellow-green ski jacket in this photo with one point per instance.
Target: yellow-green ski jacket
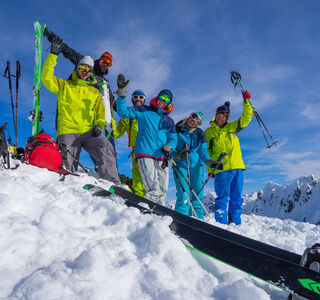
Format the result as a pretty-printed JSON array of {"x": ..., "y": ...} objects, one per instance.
[
  {"x": 225, "y": 139},
  {"x": 80, "y": 105}
]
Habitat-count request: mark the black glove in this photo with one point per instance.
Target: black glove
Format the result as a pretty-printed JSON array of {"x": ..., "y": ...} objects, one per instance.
[
  {"x": 213, "y": 164},
  {"x": 56, "y": 45},
  {"x": 122, "y": 86},
  {"x": 96, "y": 131},
  {"x": 183, "y": 153}
]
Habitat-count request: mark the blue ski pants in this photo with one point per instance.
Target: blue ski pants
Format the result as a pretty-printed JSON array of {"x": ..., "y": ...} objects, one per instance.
[
  {"x": 197, "y": 181},
  {"x": 228, "y": 184}
]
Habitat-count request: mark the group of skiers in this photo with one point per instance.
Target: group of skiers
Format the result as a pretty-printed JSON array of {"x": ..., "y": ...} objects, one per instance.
[{"x": 153, "y": 136}]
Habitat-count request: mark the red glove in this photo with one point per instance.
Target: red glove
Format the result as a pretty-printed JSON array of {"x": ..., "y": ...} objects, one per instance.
[{"x": 246, "y": 95}]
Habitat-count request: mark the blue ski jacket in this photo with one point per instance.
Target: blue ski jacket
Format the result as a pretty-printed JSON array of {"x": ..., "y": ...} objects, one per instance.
[
  {"x": 195, "y": 139},
  {"x": 156, "y": 128}
]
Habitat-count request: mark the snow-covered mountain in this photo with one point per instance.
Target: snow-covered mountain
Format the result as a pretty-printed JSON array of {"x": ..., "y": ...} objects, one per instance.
[
  {"x": 299, "y": 201},
  {"x": 57, "y": 241}
]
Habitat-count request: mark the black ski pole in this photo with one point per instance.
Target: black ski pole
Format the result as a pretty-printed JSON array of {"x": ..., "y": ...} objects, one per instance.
[
  {"x": 188, "y": 169},
  {"x": 183, "y": 189},
  {"x": 7, "y": 74},
  {"x": 64, "y": 147},
  {"x": 18, "y": 74},
  {"x": 174, "y": 165},
  {"x": 220, "y": 159},
  {"x": 237, "y": 80}
]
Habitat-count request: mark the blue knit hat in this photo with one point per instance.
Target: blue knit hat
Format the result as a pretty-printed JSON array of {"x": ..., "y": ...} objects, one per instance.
[{"x": 138, "y": 93}]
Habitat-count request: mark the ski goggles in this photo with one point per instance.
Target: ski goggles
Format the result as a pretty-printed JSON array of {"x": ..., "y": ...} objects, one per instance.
[
  {"x": 224, "y": 112},
  {"x": 136, "y": 97},
  {"x": 165, "y": 99},
  {"x": 84, "y": 68},
  {"x": 106, "y": 61},
  {"x": 196, "y": 118}
]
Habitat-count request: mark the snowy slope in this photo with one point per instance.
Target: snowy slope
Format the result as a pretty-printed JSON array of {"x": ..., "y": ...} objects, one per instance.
[
  {"x": 299, "y": 201},
  {"x": 57, "y": 241}
]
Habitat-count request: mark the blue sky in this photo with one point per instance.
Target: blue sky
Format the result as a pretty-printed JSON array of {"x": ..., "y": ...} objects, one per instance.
[{"x": 189, "y": 47}]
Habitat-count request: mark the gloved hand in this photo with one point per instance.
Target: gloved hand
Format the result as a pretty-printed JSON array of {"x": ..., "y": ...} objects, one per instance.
[
  {"x": 166, "y": 149},
  {"x": 183, "y": 153},
  {"x": 56, "y": 45},
  {"x": 122, "y": 86},
  {"x": 213, "y": 164},
  {"x": 96, "y": 131},
  {"x": 246, "y": 95},
  {"x": 47, "y": 32}
]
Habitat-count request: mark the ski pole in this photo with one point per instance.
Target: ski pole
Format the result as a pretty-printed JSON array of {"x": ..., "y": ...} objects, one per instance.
[
  {"x": 236, "y": 80},
  {"x": 191, "y": 188},
  {"x": 183, "y": 189},
  {"x": 7, "y": 74},
  {"x": 64, "y": 147},
  {"x": 18, "y": 74},
  {"x": 188, "y": 169},
  {"x": 220, "y": 159}
]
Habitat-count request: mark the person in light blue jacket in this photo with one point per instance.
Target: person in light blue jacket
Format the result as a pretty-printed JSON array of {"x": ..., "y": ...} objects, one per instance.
[
  {"x": 192, "y": 149},
  {"x": 156, "y": 136}
]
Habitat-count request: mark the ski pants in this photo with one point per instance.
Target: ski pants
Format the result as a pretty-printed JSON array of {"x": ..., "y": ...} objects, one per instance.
[
  {"x": 228, "y": 184},
  {"x": 98, "y": 147},
  {"x": 197, "y": 181},
  {"x": 155, "y": 179},
  {"x": 137, "y": 183}
]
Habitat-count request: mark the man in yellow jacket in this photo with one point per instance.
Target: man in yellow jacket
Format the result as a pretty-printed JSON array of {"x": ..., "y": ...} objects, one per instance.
[
  {"x": 80, "y": 114},
  {"x": 131, "y": 127},
  {"x": 221, "y": 137}
]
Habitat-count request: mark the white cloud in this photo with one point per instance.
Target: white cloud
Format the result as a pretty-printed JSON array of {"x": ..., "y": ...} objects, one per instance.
[
  {"x": 311, "y": 111},
  {"x": 142, "y": 56},
  {"x": 269, "y": 74}
]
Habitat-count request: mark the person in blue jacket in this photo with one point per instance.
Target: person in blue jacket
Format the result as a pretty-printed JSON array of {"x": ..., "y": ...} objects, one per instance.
[
  {"x": 192, "y": 149},
  {"x": 156, "y": 136}
]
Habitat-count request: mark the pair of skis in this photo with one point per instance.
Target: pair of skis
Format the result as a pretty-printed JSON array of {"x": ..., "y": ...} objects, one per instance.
[{"x": 273, "y": 265}]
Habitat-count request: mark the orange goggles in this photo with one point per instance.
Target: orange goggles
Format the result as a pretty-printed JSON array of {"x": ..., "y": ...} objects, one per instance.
[
  {"x": 84, "y": 68},
  {"x": 106, "y": 62}
]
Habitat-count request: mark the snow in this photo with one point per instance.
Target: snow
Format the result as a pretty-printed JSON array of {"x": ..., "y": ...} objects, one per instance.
[{"x": 57, "y": 241}]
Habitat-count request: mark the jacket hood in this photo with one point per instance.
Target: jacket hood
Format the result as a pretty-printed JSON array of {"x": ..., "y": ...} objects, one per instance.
[
  {"x": 79, "y": 81},
  {"x": 167, "y": 110}
]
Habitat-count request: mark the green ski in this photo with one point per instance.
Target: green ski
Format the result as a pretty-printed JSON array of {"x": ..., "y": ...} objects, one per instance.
[{"x": 35, "y": 115}]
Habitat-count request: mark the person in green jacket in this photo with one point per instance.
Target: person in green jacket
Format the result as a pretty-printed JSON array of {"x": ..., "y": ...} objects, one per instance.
[
  {"x": 222, "y": 136},
  {"x": 131, "y": 127},
  {"x": 80, "y": 114}
]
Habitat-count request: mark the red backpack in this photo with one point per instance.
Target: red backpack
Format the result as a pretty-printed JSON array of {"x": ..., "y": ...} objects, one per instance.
[{"x": 42, "y": 151}]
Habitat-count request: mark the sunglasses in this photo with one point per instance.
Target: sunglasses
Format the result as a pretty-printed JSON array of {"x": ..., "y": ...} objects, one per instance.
[
  {"x": 106, "y": 62},
  {"x": 165, "y": 99},
  {"x": 224, "y": 112},
  {"x": 84, "y": 68},
  {"x": 138, "y": 97},
  {"x": 195, "y": 117}
]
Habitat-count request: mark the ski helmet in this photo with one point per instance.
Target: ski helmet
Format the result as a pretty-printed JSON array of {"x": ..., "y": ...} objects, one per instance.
[{"x": 166, "y": 93}]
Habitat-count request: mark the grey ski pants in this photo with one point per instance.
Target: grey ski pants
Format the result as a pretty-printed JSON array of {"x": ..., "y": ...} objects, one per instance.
[
  {"x": 155, "y": 179},
  {"x": 99, "y": 148}
]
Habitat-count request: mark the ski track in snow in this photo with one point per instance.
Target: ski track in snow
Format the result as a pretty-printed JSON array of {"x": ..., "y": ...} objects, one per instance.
[{"x": 57, "y": 241}]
